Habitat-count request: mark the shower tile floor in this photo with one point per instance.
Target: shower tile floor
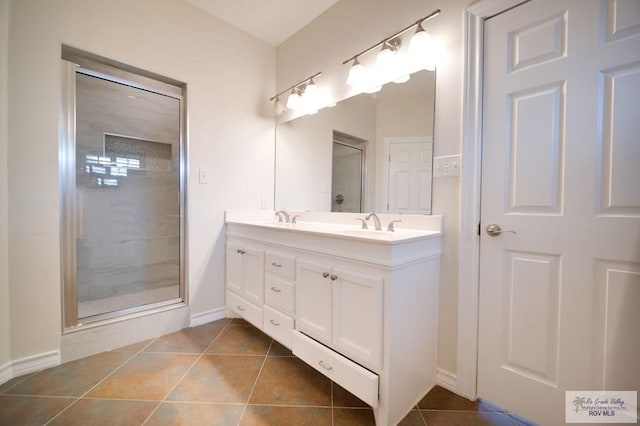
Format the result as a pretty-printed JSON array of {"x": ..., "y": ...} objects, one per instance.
[
  {"x": 222, "y": 373},
  {"x": 124, "y": 301}
]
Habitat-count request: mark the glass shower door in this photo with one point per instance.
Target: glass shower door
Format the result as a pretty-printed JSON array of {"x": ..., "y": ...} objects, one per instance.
[{"x": 126, "y": 198}]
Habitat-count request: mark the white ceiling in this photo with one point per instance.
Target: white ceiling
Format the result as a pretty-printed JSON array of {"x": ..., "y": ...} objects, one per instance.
[{"x": 270, "y": 20}]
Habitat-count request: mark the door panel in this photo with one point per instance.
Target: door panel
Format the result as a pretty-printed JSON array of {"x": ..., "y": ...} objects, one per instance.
[
  {"x": 313, "y": 300},
  {"x": 357, "y": 319},
  {"x": 253, "y": 275},
  {"x": 561, "y": 148},
  {"x": 410, "y": 166}
]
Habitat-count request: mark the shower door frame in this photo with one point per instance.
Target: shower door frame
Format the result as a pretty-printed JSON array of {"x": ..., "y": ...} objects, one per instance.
[{"x": 74, "y": 62}]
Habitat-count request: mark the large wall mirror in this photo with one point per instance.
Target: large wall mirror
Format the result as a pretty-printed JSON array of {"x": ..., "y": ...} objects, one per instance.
[{"x": 371, "y": 152}]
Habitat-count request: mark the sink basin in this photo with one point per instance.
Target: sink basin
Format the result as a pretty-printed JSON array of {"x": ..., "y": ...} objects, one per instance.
[{"x": 398, "y": 234}]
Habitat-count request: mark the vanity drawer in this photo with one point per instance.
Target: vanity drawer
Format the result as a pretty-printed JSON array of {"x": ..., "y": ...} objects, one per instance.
[
  {"x": 280, "y": 293},
  {"x": 244, "y": 309},
  {"x": 278, "y": 325},
  {"x": 281, "y": 264},
  {"x": 354, "y": 378}
]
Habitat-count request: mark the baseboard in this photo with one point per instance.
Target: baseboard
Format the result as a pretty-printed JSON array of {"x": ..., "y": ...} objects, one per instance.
[
  {"x": 34, "y": 363},
  {"x": 447, "y": 380},
  {"x": 208, "y": 316}
]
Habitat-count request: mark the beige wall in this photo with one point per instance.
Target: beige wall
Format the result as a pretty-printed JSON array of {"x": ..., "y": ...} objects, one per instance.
[
  {"x": 5, "y": 347},
  {"x": 229, "y": 76},
  {"x": 353, "y": 25}
]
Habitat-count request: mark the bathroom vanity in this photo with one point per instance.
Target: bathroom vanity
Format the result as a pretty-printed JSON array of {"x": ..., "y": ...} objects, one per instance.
[{"x": 358, "y": 305}]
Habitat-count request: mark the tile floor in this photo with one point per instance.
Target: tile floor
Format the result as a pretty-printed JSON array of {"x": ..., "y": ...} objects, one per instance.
[{"x": 222, "y": 373}]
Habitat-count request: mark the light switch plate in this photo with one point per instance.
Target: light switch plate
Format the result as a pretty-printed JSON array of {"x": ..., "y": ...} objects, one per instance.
[
  {"x": 446, "y": 166},
  {"x": 203, "y": 175}
]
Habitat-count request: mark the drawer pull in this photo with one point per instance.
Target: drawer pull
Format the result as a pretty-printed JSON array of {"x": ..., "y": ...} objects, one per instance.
[
  {"x": 326, "y": 367},
  {"x": 240, "y": 251},
  {"x": 276, "y": 323},
  {"x": 325, "y": 274},
  {"x": 277, "y": 265},
  {"x": 240, "y": 308},
  {"x": 276, "y": 289},
  {"x": 334, "y": 277}
]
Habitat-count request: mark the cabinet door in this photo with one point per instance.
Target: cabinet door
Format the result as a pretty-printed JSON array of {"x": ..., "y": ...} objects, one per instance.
[
  {"x": 357, "y": 316},
  {"x": 253, "y": 275},
  {"x": 234, "y": 268},
  {"x": 313, "y": 300}
]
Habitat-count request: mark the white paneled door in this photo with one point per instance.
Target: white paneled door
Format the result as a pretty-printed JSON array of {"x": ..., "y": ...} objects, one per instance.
[
  {"x": 560, "y": 296},
  {"x": 410, "y": 170}
]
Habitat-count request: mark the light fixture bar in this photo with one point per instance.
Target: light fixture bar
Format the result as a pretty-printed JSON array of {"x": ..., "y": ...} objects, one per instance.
[
  {"x": 391, "y": 37},
  {"x": 295, "y": 86}
]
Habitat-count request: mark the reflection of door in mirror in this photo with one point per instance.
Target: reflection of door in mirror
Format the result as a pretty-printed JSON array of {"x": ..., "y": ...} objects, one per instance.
[
  {"x": 347, "y": 173},
  {"x": 409, "y": 175}
]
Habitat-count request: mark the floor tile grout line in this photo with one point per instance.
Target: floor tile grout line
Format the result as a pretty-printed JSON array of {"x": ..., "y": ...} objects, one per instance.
[
  {"x": 298, "y": 406},
  {"x": 115, "y": 370},
  {"x": 78, "y": 398},
  {"x": 202, "y": 353},
  {"x": 25, "y": 377},
  {"x": 255, "y": 383},
  {"x": 63, "y": 410},
  {"x": 332, "y": 407},
  {"x": 421, "y": 415}
]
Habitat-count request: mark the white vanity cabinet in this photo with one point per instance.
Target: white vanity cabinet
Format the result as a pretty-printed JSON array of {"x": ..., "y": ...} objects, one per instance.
[
  {"x": 279, "y": 295},
  {"x": 245, "y": 281},
  {"x": 342, "y": 307},
  {"x": 361, "y": 308}
]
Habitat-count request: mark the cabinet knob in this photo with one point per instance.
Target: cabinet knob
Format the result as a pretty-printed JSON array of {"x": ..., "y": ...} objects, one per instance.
[
  {"x": 334, "y": 277},
  {"x": 276, "y": 289},
  {"x": 325, "y": 274},
  {"x": 276, "y": 323},
  {"x": 325, "y": 366}
]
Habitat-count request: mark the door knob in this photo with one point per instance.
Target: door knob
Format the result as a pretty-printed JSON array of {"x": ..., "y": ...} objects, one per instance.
[{"x": 494, "y": 230}]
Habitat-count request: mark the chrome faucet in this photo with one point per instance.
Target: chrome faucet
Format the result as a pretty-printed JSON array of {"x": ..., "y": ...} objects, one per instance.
[
  {"x": 282, "y": 214},
  {"x": 364, "y": 223},
  {"x": 376, "y": 221}
]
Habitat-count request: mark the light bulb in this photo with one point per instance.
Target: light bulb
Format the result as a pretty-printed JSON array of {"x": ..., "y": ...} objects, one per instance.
[
  {"x": 278, "y": 106},
  {"x": 357, "y": 74},
  {"x": 294, "y": 100},
  {"x": 385, "y": 60},
  {"x": 421, "y": 49},
  {"x": 311, "y": 93},
  {"x": 311, "y": 98}
]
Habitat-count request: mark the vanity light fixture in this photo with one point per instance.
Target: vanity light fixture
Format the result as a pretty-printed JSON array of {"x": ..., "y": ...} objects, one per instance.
[
  {"x": 295, "y": 99},
  {"x": 278, "y": 105},
  {"x": 388, "y": 65},
  {"x": 304, "y": 95},
  {"x": 421, "y": 49}
]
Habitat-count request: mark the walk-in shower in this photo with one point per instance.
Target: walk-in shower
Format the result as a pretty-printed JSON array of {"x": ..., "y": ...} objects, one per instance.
[{"x": 122, "y": 161}]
